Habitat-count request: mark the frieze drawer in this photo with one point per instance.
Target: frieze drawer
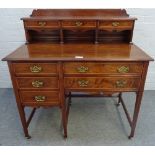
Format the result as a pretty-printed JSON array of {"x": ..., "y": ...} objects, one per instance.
[
  {"x": 41, "y": 24},
  {"x": 102, "y": 68},
  {"x": 116, "y": 24},
  {"x": 35, "y": 68},
  {"x": 79, "y": 24}
]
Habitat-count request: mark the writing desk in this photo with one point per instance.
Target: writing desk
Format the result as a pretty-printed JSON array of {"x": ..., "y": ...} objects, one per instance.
[{"x": 64, "y": 55}]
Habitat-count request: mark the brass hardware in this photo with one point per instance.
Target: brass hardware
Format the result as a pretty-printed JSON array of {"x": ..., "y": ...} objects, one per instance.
[
  {"x": 83, "y": 83},
  {"x": 40, "y": 98},
  {"x": 82, "y": 69},
  {"x": 78, "y": 23},
  {"x": 37, "y": 84},
  {"x": 121, "y": 83},
  {"x": 123, "y": 69},
  {"x": 35, "y": 69},
  {"x": 42, "y": 23},
  {"x": 115, "y": 24}
]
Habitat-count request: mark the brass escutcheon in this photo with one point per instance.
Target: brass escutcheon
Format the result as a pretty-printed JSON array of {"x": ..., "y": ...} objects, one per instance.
[
  {"x": 121, "y": 83},
  {"x": 78, "y": 23},
  {"x": 35, "y": 69},
  {"x": 41, "y": 23},
  {"x": 37, "y": 84},
  {"x": 115, "y": 24},
  {"x": 83, "y": 83},
  {"x": 40, "y": 98},
  {"x": 82, "y": 69},
  {"x": 123, "y": 69}
]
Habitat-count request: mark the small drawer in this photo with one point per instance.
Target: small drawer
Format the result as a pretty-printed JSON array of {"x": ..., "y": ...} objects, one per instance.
[
  {"x": 78, "y": 24},
  {"x": 37, "y": 83},
  {"x": 42, "y": 24},
  {"x": 23, "y": 69},
  {"x": 39, "y": 98},
  {"x": 105, "y": 83},
  {"x": 102, "y": 68},
  {"x": 116, "y": 24}
]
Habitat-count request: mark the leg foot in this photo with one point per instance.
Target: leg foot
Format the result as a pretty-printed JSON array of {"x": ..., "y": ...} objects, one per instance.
[
  {"x": 118, "y": 104},
  {"x": 28, "y": 137},
  {"x": 130, "y": 137},
  {"x": 119, "y": 99},
  {"x": 65, "y": 136}
]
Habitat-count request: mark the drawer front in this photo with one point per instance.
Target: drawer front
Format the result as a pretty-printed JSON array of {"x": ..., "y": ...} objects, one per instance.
[
  {"x": 42, "y": 24},
  {"x": 37, "y": 83},
  {"x": 78, "y": 24},
  {"x": 105, "y": 83},
  {"x": 116, "y": 24},
  {"x": 39, "y": 97},
  {"x": 35, "y": 68},
  {"x": 102, "y": 68}
]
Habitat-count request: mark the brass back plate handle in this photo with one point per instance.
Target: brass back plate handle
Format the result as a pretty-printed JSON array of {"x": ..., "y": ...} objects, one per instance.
[
  {"x": 83, "y": 83},
  {"x": 37, "y": 84},
  {"x": 35, "y": 69},
  {"x": 40, "y": 98},
  {"x": 82, "y": 69}
]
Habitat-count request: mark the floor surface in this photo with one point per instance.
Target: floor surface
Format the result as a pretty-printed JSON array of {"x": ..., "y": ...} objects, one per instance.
[{"x": 92, "y": 121}]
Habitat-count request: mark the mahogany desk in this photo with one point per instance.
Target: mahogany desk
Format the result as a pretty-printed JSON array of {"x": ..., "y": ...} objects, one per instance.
[{"x": 96, "y": 56}]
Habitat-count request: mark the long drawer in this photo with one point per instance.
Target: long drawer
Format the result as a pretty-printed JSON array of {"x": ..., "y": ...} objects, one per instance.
[
  {"x": 104, "y": 83},
  {"x": 39, "y": 98},
  {"x": 101, "y": 68},
  {"x": 35, "y": 69},
  {"x": 37, "y": 82}
]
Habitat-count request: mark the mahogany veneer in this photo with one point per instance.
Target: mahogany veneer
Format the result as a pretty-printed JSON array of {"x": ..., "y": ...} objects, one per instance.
[{"x": 85, "y": 51}]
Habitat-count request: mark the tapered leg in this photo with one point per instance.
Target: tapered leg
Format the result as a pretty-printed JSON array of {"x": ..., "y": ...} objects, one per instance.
[
  {"x": 119, "y": 99},
  {"x": 70, "y": 98},
  {"x": 23, "y": 120},
  {"x": 68, "y": 108},
  {"x": 62, "y": 99},
  {"x": 64, "y": 120},
  {"x": 136, "y": 112}
]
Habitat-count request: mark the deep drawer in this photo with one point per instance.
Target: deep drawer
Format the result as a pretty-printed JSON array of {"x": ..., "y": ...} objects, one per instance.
[
  {"x": 105, "y": 83},
  {"x": 42, "y": 98},
  {"x": 37, "y": 82},
  {"x": 102, "y": 68},
  {"x": 35, "y": 69}
]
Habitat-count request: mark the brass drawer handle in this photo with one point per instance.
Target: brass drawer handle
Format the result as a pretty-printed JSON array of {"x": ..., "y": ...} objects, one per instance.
[
  {"x": 78, "y": 23},
  {"x": 41, "y": 23},
  {"x": 115, "y": 24},
  {"x": 35, "y": 69},
  {"x": 40, "y": 98},
  {"x": 83, "y": 83},
  {"x": 123, "y": 69},
  {"x": 82, "y": 69},
  {"x": 121, "y": 83},
  {"x": 37, "y": 84}
]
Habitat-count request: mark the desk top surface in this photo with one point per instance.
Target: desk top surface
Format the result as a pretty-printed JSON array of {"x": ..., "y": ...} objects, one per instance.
[{"x": 78, "y": 52}]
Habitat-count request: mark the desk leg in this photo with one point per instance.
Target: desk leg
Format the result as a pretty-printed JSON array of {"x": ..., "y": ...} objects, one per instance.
[
  {"x": 62, "y": 99},
  {"x": 68, "y": 106},
  {"x": 23, "y": 120},
  {"x": 136, "y": 112},
  {"x": 64, "y": 120},
  {"x": 119, "y": 99},
  {"x": 19, "y": 104}
]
